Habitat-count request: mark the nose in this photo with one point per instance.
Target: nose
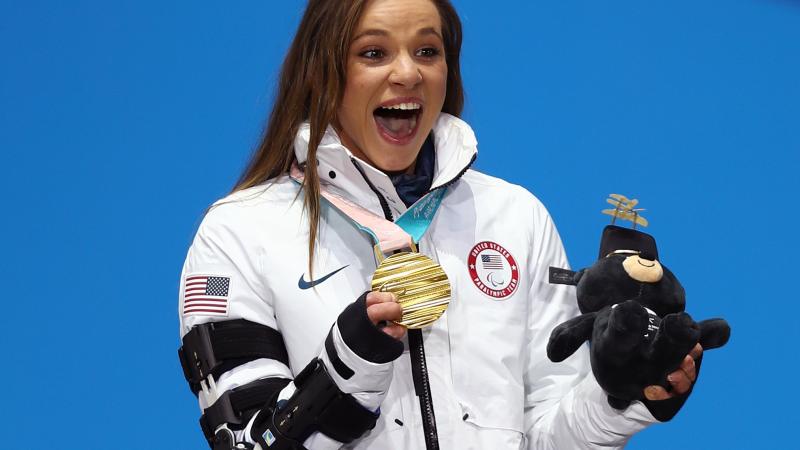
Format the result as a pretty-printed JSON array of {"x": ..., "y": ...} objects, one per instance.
[
  {"x": 405, "y": 72},
  {"x": 643, "y": 270}
]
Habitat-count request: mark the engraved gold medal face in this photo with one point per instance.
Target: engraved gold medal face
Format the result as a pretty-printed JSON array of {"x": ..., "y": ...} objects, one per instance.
[{"x": 421, "y": 287}]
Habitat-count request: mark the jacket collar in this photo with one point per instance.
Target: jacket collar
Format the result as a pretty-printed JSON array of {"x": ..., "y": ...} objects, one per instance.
[{"x": 346, "y": 175}]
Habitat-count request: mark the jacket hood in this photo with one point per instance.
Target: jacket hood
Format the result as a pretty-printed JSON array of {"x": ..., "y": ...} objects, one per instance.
[{"x": 341, "y": 172}]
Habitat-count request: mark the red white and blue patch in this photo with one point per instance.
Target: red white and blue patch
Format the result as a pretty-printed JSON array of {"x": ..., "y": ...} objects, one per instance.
[
  {"x": 206, "y": 295},
  {"x": 493, "y": 270}
]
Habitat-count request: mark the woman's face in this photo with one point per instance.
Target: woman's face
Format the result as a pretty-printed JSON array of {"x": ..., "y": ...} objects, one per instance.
[{"x": 396, "y": 83}]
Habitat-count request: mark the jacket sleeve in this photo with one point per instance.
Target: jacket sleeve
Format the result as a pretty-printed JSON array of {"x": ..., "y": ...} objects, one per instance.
[
  {"x": 224, "y": 250},
  {"x": 224, "y": 253},
  {"x": 564, "y": 405}
]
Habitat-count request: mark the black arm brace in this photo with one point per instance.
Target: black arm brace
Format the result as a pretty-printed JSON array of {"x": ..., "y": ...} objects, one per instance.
[
  {"x": 211, "y": 349},
  {"x": 316, "y": 405},
  {"x": 214, "y": 348}
]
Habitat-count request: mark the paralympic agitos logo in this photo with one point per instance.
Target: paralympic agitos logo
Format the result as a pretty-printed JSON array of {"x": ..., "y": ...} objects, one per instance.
[{"x": 493, "y": 270}]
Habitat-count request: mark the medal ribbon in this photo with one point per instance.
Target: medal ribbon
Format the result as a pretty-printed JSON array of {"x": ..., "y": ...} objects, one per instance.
[
  {"x": 423, "y": 307},
  {"x": 387, "y": 236}
]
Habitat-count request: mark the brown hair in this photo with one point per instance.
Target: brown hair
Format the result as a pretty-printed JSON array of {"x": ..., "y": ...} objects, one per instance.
[{"x": 310, "y": 88}]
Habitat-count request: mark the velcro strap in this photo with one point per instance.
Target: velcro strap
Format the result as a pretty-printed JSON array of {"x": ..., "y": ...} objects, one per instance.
[
  {"x": 216, "y": 347},
  {"x": 237, "y": 406}
]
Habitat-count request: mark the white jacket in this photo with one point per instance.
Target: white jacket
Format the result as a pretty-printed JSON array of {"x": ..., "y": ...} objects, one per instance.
[{"x": 493, "y": 386}]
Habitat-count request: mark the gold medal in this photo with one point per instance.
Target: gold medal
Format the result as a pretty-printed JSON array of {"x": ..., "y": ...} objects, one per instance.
[{"x": 421, "y": 287}]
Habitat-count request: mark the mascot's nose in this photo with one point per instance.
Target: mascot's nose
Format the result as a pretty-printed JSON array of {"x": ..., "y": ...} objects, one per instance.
[{"x": 642, "y": 269}]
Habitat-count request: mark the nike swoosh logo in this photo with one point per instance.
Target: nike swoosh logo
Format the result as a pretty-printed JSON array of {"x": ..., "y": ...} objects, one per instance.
[{"x": 303, "y": 284}]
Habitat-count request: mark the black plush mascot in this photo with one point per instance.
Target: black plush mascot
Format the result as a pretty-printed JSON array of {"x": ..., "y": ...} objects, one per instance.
[{"x": 633, "y": 316}]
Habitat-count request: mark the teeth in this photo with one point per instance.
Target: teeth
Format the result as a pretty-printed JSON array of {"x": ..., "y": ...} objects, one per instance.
[{"x": 404, "y": 106}]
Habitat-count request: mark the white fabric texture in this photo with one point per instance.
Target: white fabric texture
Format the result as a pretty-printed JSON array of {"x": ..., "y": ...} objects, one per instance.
[{"x": 492, "y": 384}]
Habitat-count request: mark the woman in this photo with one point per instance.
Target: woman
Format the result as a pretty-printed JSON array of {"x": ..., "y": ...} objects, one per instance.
[{"x": 274, "y": 344}]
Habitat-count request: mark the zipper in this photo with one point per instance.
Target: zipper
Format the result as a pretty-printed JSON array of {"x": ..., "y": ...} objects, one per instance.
[
  {"x": 387, "y": 213},
  {"x": 422, "y": 387},
  {"x": 419, "y": 368},
  {"x": 457, "y": 177}
]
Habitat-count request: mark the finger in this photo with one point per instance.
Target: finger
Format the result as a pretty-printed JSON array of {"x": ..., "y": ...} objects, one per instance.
[
  {"x": 688, "y": 367},
  {"x": 696, "y": 352},
  {"x": 384, "y": 311},
  {"x": 380, "y": 297},
  {"x": 395, "y": 331},
  {"x": 680, "y": 382},
  {"x": 655, "y": 392}
]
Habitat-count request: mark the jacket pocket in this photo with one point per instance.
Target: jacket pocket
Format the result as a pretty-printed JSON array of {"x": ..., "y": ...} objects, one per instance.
[
  {"x": 487, "y": 345},
  {"x": 397, "y": 413}
]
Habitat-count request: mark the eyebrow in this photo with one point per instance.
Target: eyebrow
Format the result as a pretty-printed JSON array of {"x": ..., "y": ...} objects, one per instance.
[{"x": 379, "y": 32}]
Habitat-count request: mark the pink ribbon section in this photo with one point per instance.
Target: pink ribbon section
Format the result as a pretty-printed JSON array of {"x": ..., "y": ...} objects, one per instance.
[{"x": 389, "y": 235}]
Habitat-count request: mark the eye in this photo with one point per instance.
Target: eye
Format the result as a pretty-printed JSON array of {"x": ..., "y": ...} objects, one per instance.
[
  {"x": 372, "y": 53},
  {"x": 428, "y": 52}
]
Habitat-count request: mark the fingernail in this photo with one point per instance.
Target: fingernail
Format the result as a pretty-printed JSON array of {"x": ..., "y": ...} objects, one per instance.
[{"x": 671, "y": 378}]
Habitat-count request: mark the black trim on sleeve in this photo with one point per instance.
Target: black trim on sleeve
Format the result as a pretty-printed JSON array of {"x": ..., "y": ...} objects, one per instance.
[
  {"x": 340, "y": 367},
  {"x": 363, "y": 337}
]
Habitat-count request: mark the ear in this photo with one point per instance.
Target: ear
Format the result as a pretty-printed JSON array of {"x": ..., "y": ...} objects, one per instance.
[{"x": 567, "y": 337}]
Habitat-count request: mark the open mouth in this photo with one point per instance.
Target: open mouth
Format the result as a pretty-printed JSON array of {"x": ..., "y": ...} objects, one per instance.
[{"x": 398, "y": 123}]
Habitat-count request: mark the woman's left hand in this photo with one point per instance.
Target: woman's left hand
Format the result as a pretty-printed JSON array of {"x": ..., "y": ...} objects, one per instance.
[{"x": 681, "y": 379}]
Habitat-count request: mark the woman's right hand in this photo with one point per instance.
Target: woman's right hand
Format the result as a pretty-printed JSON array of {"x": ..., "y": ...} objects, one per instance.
[{"x": 382, "y": 310}]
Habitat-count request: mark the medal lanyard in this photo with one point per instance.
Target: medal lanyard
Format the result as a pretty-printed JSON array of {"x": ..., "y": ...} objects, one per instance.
[{"x": 387, "y": 236}]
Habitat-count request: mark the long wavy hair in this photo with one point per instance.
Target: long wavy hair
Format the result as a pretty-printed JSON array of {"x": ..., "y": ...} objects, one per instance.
[{"x": 310, "y": 88}]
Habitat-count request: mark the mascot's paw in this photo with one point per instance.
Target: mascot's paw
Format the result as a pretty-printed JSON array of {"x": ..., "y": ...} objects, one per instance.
[
  {"x": 627, "y": 318},
  {"x": 714, "y": 333},
  {"x": 567, "y": 337},
  {"x": 618, "y": 403},
  {"x": 681, "y": 330},
  {"x": 617, "y": 338},
  {"x": 562, "y": 343}
]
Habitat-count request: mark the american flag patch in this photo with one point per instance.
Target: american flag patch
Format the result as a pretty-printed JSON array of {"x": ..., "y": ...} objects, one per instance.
[
  {"x": 206, "y": 295},
  {"x": 492, "y": 262}
]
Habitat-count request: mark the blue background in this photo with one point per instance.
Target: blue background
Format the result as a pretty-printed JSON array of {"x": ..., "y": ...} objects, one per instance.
[{"x": 122, "y": 121}]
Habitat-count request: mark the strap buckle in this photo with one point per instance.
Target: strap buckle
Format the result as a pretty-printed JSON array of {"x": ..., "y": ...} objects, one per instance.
[
  {"x": 219, "y": 412},
  {"x": 224, "y": 439},
  {"x": 197, "y": 354}
]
